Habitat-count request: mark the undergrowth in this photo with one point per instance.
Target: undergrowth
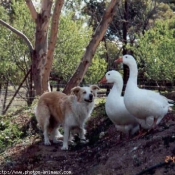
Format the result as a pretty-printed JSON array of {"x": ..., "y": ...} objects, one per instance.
[
  {"x": 13, "y": 127},
  {"x": 9, "y": 133},
  {"x": 20, "y": 124}
]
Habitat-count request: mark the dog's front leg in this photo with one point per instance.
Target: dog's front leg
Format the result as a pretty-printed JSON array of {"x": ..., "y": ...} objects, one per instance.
[
  {"x": 82, "y": 135},
  {"x": 66, "y": 138}
]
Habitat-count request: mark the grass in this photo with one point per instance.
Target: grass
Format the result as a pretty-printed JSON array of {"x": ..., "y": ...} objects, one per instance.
[{"x": 100, "y": 100}]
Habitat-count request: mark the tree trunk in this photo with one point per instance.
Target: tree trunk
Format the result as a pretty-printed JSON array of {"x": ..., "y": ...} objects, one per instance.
[
  {"x": 41, "y": 54},
  {"x": 41, "y": 44},
  {"x": 91, "y": 48},
  {"x": 125, "y": 67},
  {"x": 42, "y": 57}
]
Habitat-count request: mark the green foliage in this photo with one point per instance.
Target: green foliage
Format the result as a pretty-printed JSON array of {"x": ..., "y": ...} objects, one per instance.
[
  {"x": 14, "y": 54},
  {"x": 156, "y": 49},
  {"x": 18, "y": 125},
  {"x": 139, "y": 16},
  {"x": 9, "y": 133},
  {"x": 74, "y": 35},
  {"x": 23, "y": 21},
  {"x": 96, "y": 70},
  {"x": 71, "y": 44},
  {"x": 73, "y": 38}
]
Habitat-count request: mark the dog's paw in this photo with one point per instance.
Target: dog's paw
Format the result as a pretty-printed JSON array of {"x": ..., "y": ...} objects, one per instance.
[
  {"x": 47, "y": 142},
  {"x": 84, "y": 141},
  {"x": 71, "y": 141},
  {"x": 64, "y": 148},
  {"x": 57, "y": 141},
  {"x": 59, "y": 137}
]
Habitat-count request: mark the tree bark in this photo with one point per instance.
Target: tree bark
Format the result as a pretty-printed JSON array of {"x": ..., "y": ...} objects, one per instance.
[
  {"x": 91, "y": 48},
  {"x": 52, "y": 42},
  {"x": 32, "y": 9},
  {"x": 41, "y": 44},
  {"x": 125, "y": 28},
  {"x": 43, "y": 54}
]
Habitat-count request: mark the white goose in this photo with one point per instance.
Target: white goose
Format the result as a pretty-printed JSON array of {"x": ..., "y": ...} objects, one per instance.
[
  {"x": 115, "y": 107},
  {"x": 147, "y": 106}
]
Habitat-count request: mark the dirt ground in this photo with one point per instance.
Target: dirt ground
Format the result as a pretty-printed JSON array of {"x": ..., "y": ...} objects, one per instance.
[{"x": 105, "y": 154}]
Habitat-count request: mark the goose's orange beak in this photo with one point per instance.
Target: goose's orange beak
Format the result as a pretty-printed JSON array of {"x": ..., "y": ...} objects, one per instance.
[
  {"x": 119, "y": 60},
  {"x": 103, "y": 80}
]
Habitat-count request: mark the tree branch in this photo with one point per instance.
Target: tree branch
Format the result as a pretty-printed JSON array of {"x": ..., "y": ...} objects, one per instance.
[
  {"x": 53, "y": 39},
  {"x": 92, "y": 46},
  {"x": 20, "y": 34},
  {"x": 101, "y": 30},
  {"x": 45, "y": 4},
  {"x": 54, "y": 27},
  {"x": 5, "y": 110},
  {"x": 32, "y": 9}
]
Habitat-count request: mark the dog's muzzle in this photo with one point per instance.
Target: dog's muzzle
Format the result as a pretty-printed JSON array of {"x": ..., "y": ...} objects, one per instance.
[{"x": 90, "y": 98}]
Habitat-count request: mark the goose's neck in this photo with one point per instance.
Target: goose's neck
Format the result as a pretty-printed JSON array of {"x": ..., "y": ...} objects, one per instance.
[
  {"x": 117, "y": 88},
  {"x": 133, "y": 74}
]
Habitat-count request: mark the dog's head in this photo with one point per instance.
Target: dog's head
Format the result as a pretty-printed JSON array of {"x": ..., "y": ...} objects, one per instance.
[{"x": 85, "y": 94}]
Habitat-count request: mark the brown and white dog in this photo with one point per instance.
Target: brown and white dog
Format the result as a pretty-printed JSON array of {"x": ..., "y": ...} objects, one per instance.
[{"x": 71, "y": 111}]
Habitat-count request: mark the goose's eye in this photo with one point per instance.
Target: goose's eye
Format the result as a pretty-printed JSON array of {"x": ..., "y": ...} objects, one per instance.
[
  {"x": 126, "y": 57},
  {"x": 108, "y": 74},
  {"x": 84, "y": 92}
]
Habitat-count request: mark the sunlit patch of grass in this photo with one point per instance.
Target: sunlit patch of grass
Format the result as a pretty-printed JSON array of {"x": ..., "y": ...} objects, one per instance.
[
  {"x": 100, "y": 100},
  {"x": 99, "y": 110}
]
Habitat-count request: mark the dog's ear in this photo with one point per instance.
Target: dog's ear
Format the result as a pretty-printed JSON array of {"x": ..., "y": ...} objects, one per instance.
[
  {"x": 75, "y": 90},
  {"x": 94, "y": 87}
]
